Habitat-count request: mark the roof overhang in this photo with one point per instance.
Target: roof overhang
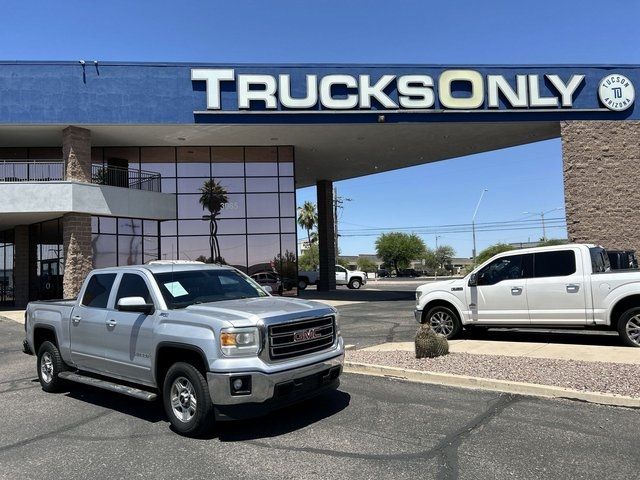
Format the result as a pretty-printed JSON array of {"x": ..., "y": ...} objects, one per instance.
[{"x": 323, "y": 151}]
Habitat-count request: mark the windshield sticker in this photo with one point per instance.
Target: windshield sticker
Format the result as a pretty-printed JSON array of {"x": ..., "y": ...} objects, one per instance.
[{"x": 176, "y": 289}]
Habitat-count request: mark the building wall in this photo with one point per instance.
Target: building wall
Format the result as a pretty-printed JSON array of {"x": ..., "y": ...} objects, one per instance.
[{"x": 601, "y": 165}]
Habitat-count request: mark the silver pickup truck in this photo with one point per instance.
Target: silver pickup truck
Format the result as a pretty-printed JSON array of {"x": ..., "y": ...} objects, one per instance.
[{"x": 208, "y": 339}]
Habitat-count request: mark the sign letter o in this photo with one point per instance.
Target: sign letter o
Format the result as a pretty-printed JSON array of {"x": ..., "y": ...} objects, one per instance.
[{"x": 472, "y": 77}]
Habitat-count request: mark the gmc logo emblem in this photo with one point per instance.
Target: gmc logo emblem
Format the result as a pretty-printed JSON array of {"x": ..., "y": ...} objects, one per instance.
[{"x": 302, "y": 335}]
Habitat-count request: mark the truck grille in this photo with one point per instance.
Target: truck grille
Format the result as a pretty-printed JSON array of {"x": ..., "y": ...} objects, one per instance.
[{"x": 301, "y": 338}]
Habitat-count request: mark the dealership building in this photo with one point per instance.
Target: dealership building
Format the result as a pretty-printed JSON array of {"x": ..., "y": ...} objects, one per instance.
[{"x": 106, "y": 163}]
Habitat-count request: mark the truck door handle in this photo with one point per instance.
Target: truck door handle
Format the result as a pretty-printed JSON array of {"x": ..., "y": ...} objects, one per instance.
[
  {"x": 572, "y": 288},
  {"x": 516, "y": 290},
  {"x": 76, "y": 319},
  {"x": 111, "y": 323}
]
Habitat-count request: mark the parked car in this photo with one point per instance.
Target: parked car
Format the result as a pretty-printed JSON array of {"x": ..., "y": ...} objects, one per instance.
[
  {"x": 269, "y": 279},
  {"x": 408, "y": 272},
  {"x": 383, "y": 273},
  {"x": 562, "y": 285},
  {"x": 352, "y": 279},
  {"x": 206, "y": 339}
]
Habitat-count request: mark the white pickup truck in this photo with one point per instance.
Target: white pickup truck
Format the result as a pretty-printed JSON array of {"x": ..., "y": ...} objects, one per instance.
[
  {"x": 353, "y": 279},
  {"x": 560, "y": 286},
  {"x": 206, "y": 339}
]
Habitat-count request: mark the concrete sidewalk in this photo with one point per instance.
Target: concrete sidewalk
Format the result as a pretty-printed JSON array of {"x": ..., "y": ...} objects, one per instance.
[
  {"x": 15, "y": 315},
  {"x": 587, "y": 353}
]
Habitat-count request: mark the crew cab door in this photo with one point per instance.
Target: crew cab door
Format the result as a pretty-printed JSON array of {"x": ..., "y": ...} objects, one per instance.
[
  {"x": 500, "y": 296},
  {"x": 128, "y": 335},
  {"x": 87, "y": 323},
  {"x": 557, "y": 293},
  {"x": 341, "y": 275}
]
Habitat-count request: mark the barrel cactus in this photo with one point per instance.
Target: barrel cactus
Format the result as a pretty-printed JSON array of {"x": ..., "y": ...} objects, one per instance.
[{"x": 429, "y": 344}]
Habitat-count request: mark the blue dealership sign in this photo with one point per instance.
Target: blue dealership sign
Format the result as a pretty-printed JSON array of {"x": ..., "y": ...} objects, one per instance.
[{"x": 124, "y": 93}]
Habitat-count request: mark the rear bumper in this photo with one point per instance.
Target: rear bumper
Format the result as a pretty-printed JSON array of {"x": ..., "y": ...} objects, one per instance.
[{"x": 272, "y": 390}]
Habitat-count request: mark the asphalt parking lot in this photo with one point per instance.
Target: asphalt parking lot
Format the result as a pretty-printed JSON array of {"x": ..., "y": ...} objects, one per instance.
[
  {"x": 384, "y": 313},
  {"x": 369, "y": 428}
]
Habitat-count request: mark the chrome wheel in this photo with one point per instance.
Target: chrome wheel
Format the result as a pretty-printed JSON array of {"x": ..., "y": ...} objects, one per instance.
[
  {"x": 183, "y": 399},
  {"x": 46, "y": 367},
  {"x": 441, "y": 322},
  {"x": 633, "y": 329}
]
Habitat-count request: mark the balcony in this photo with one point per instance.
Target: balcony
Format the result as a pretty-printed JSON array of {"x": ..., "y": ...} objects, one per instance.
[
  {"x": 53, "y": 170},
  {"x": 34, "y": 191}
]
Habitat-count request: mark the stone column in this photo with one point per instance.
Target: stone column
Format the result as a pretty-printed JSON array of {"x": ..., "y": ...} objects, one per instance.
[
  {"x": 76, "y": 153},
  {"x": 21, "y": 266},
  {"x": 76, "y": 227},
  {"x": 601, "y": 164},
  {"x": 326, "y": 238},
  {"x": 76, "y": 237}
]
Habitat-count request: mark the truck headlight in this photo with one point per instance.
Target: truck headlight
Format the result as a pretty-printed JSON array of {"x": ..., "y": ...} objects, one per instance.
[
  {"x": 240, "y": 342},
  {"x": 418, "y": 294}
]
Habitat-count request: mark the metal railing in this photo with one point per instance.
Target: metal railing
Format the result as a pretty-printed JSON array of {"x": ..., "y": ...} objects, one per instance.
[
  {"x": 126, "y": 178},
  {"x": 53, "y": 170},
  {"x": 31, "y": 171}
]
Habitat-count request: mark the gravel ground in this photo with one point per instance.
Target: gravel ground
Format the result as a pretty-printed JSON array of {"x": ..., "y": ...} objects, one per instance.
[{"x": 585, "y": 376}]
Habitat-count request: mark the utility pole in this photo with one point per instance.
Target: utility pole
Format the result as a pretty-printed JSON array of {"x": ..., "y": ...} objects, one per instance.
[
  {"x": 436, "y": 253},
  {"x": 542, "y": 214},
  {"x": 337, "y": 203},
  {"x": 473, "y": 224}
]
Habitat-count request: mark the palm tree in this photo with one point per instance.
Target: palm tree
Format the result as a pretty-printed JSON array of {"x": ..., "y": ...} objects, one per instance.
[
  {"x": 213, "y": 197},
  {"x": 308, "y": 218}
]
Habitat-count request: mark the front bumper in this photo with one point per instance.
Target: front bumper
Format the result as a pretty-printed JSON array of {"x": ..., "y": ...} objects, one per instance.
[
  {"x": 418, "y": 315},
  {"x": 277, "y": 388}
]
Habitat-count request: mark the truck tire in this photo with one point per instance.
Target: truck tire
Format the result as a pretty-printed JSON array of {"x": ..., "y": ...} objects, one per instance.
[
  {"x": 302, "y": 283},
  {"x": 444, "y": 321},
  {"x": 50, "y": 364},
  {"x": 629, "y": 327},
  {"x": 355, "y": 283},
  {"x": 186, "y": 399}
]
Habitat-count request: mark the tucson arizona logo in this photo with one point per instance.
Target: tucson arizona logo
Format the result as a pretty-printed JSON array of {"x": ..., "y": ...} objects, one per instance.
[{"x": 616, "y": 92}]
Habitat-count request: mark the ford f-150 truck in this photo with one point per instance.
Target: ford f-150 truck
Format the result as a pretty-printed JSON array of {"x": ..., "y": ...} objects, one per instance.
[
  {"x": 561, "y": 286},
  {"x": 353, "y": 279},
  {"x": 207, "y": 339}
]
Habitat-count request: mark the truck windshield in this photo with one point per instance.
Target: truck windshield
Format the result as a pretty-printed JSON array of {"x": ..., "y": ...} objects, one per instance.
[{"x": 183, "y": 288}]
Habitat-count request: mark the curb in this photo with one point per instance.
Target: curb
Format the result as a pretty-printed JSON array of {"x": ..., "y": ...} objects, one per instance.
[{"x": 505, "y": 386}]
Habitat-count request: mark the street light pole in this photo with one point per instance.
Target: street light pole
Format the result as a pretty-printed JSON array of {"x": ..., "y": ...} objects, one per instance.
[{"x": 473, "y": 224}]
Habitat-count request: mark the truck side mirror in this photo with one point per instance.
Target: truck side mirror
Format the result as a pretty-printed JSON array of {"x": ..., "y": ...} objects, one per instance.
[
  {"x": 267, "y": 288},
  {"x": 473, "y": 280},
  {"x": 135, "y": 304}
]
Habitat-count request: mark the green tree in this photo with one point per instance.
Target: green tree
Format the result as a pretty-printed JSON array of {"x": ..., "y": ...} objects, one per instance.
[
  {"x": 213, "y": 197},
  {"x": 443, "y": 255},
  {"x": 310, "y": 258},
  {"x": 492, "y": 250},
  {"x": 308, "y": 218},
  {"x": 398, "y": 249},
  {"x": 366, "y": 265},
  {"x": 343, "y": 262}
]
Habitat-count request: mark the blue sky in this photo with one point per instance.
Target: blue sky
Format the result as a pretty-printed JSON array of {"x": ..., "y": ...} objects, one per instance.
[{"x": 527, "y": 178}]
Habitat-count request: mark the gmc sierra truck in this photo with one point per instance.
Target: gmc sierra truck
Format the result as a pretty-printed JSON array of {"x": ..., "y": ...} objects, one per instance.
[
  {"x": 560, "y": 286},
  {"x": 207, "y": 339}
]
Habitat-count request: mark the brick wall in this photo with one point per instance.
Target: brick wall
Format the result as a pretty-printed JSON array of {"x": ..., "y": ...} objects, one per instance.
[
  {"x": 76, "y": 234},
  {"x": 76, "y": 153},
  {"x": 601, "y": 165}
]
